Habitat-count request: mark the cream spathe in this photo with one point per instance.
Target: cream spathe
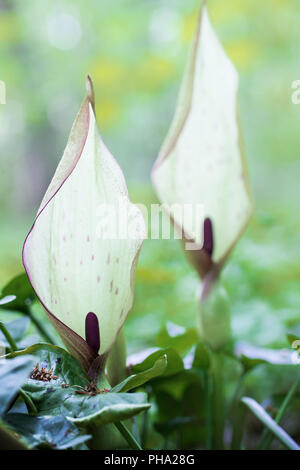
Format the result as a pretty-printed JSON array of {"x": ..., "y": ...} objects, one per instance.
[
  {"x": 73, "y": 270},
  {"x": 201, "y": 161}
]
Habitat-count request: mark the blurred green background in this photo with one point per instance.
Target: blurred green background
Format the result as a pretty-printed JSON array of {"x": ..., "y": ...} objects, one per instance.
[{"x": 135, "y": 51}]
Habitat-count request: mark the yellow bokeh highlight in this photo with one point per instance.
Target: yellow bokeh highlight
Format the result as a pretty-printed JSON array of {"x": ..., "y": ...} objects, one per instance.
[
  {"x": 222, "y": 12},
  {"x": 278, "y": 3},
  {"x": 9, "y": 28},
  {"x": 243, "y": 53},
  {"x": 153, "y": 72},
  {"x": 108, "y": 74},
  {"x": 189, "y": 26},
  {"x": 113, "y": 80},
  {"x": 107, "y": 112},
  {"x": 154, "y": 276}
]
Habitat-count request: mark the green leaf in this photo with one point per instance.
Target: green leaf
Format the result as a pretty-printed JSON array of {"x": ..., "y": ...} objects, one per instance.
[
  {"x": 102, "y": 408},
  {"x": 13, "y": 374},
  {"x": 292, "y": 338},
  {"x": 111, "y": 408},
  {"x": 50, "y": 398},
  {"x": 17, "y": 329},
  {"x": 20, "y": 287},
  {"x": 177, "y": 337},
  {"x": 176, "y": 385},
  {"x": 54, "y": 432},
  {"x": 65, "y": 367},
  {"x": 201, "y": 357},
  {"x": 174, "y": 362},
  {"x": 252, "y": 356},
  {"x": 141, "y": 378},
  {"x": 178, "y": 423},
  {"x": 277, "y": 430}
]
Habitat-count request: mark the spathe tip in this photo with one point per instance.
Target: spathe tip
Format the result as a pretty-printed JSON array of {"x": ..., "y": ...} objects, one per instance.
[{"x": 90, "y": 91}]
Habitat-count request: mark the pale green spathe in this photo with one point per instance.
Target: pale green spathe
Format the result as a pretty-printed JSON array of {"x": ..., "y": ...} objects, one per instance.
[
  {"x": 201, "y": 161},
  {"x": 74, "y": 260}
]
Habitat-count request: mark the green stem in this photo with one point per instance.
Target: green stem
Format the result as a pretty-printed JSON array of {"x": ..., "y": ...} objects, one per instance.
[
  {"x": 135, "y": 429},
  {"x": 238, "y": 412},
  {"x": 287, "y": 400},
  {"x": 116, "y": 362},
  {"x": 145, "y": 420},
  {"x": 208, "y": 417},
  {"x": 39, "y": 326},
  {"x": 102, "y": 381},
  {"x": 267, "y": 437},
  {"x": 28, "y": 402},
  {"x": 128, "y": 436},
  {"x": 218, "y": 400},
  {"x": 10, "y": 340},
  {"x": 238, "y": 426}
]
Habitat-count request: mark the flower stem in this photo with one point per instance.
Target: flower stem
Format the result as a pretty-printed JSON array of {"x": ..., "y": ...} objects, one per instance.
[
  {"x": 10, "y": 340},
  {"x": 218, "y": 400},
  {"x": 116, "y": 362},
  {"x": 39, "y": 326},
  {"x": 238, "y": 426},
  {"x": 208, "y": 417},
  {"x": 128, "y": 436},
  {"x": 28, "y": 402},
  {"x": 145, "y": 420},
  {"x": 238, "y": 413}
]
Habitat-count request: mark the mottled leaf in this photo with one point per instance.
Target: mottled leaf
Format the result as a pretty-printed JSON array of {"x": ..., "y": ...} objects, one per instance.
[
  {"x": 63, "y": 365},
  {"x": 103, "y": 408},
  {"x": 61, "y": 397}
]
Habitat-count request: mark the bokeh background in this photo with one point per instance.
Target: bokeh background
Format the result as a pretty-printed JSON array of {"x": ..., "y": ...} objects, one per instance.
[{"x": 135, "y": 51}]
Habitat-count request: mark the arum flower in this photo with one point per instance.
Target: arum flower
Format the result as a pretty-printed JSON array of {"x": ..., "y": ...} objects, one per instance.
[
  {"x": 201, "y": 161},
  {"x": 83, "y": 276}
]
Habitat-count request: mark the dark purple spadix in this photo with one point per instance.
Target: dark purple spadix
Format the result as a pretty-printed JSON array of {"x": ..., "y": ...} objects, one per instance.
[
  {"x": 208, "y": 242},
  {"x": 92, "y": 333}
]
